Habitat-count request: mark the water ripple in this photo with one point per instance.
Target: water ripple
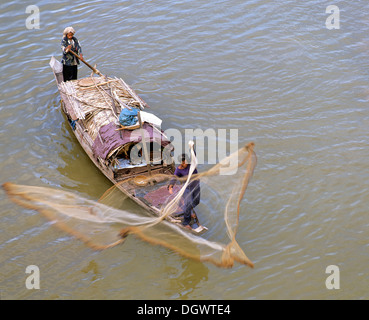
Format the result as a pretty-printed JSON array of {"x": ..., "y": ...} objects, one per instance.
[{"x": 271, "y": 70}]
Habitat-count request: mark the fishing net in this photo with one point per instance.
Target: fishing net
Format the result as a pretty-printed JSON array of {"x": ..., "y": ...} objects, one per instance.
[{"x": 108, "y": 222}]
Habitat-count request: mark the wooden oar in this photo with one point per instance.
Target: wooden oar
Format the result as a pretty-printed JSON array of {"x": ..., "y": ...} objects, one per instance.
[{"x": 88, "y": 65}]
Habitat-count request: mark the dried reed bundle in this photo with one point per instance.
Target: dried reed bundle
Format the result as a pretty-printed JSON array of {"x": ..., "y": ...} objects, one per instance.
[{"x": 98, "y": 101}]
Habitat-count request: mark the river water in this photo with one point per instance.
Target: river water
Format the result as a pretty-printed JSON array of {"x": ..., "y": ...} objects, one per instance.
[{"x": 270, "y": 69}]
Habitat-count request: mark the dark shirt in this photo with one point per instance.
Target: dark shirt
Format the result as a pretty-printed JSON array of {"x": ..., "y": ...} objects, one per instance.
[
  {"x": 183, "y": 172},
  {"x": 193, "y": 188},
  {"x": 68, "y": 58}
]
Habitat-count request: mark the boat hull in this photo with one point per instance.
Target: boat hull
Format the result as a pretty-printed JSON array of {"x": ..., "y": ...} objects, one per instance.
[{"x": 72, "y": 104}]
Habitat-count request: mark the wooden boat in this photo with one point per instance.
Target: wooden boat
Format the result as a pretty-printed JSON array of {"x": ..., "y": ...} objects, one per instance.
[{"x": 93, "y": 106}]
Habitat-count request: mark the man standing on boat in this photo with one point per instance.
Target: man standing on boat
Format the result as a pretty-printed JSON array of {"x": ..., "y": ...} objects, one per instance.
[
  {"x": 192, "y": 192},
  {"x": 70, "y": 62}
]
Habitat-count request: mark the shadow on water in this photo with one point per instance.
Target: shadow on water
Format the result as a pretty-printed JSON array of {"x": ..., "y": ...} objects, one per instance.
[{"x": 182, "y": 285}]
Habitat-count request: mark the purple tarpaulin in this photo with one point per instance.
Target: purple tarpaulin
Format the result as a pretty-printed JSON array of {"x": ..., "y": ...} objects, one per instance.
[{"x": 110, "y": 139}]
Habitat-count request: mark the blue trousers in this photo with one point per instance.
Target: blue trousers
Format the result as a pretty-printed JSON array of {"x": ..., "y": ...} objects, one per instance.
[{"x": 191, "y": 198}]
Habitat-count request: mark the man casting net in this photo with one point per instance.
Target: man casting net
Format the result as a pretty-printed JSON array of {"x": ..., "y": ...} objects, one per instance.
[{"x": 105, "y": 223}]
